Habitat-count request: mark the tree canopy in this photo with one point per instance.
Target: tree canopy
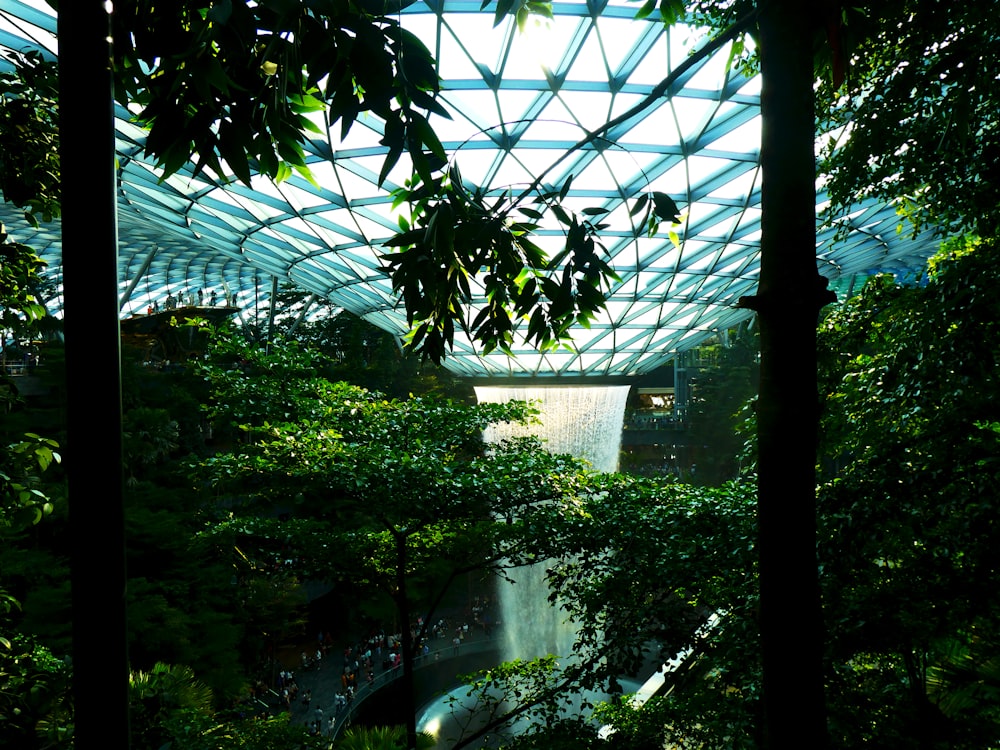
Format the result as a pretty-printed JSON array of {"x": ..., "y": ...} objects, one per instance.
[
  {"x": 394, "y": 499},
  {"x": 915, "y": 116},
  {"x": 906, "y": 513}
]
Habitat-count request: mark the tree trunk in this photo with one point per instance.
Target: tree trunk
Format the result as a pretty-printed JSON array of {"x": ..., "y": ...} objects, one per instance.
[
  {"x": 406, "y": 642},
  {"x": 789, "y": 297},
  {"x": 94, "y": 415}
]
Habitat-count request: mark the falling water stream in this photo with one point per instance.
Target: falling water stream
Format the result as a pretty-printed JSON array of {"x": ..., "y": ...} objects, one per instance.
[{"x": 583, "y": 421}]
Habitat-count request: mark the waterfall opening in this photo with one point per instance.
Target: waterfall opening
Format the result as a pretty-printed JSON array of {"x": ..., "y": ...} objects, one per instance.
[{"x": 583, "y": 421}]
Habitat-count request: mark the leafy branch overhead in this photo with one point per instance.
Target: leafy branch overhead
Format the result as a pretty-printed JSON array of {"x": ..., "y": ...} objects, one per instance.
[
  {"x": 465, "y": 245},
  {"x": 919, "y": 114},
  {"x": 244, "y": 84},
  {"x": 29, "y": 136}
]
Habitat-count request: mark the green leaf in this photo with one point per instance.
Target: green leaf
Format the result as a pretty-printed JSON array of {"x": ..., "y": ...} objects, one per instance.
[
  {"x": 665, "y": 208},
  {"x": 735, "y": 52},
  {"x": 504, "y": 7},
  {"x": 220, "y": 12},
  {"x": 427, "y": 136},
  {"x": 303, "y": 171},
  {"x": 284, "y": 172},
  {"x": 302, "y": 103},
  {"x": 646, "y": 10},
  {"x": 564, "y": 190},
  {"x": 561, "y": 214},
  {"x": 639, "y": 204}
]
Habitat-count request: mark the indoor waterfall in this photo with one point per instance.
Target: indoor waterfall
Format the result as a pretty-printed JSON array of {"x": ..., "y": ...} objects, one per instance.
[
  {"x": 586, "y": 422},
  {"x": 583, "y": 421}
]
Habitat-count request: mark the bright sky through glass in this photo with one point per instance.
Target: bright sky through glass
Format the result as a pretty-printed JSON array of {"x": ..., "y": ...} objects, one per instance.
[{"x": 517, "y": 101}]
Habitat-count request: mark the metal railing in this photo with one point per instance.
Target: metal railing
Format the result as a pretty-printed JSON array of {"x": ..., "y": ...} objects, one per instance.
[{"x": 344, "y": 717}]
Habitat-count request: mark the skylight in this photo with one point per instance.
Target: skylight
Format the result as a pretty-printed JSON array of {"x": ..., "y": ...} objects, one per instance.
[{"x": 699, "y": 144}]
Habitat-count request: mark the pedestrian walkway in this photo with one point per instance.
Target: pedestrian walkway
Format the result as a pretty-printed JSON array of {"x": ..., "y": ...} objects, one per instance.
[{"x": 323, "y": 679}]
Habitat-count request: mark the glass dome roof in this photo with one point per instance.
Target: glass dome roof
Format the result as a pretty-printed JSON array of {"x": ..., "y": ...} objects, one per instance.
[{"x": 518, "y": 102}]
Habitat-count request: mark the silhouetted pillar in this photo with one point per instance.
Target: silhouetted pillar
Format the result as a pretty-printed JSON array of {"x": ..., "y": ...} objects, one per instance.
[
  {"x": 790, "y": 295},
  {"x": 94, "y": 449}
]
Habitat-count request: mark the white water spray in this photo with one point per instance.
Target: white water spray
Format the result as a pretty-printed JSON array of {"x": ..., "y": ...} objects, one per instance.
[{"x": 583, "y": 421}]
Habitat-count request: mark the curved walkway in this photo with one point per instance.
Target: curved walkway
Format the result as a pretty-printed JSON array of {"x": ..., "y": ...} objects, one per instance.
[{"x": 324, "y": 681}]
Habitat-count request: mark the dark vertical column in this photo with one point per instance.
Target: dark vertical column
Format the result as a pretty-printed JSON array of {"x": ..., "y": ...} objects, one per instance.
[
  {"x": 408, "y": 650},
  {"x": 271, "y": 313},
  {"x": 787, "y": 304},
  {"x": 90, "y": 279}
]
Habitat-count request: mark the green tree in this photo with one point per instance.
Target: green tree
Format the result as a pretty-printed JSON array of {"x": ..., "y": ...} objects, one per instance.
[
  {"x": 29, "y": 179},
  {"x": 236, "y": 83},
  {"x": 35, "y": 705},
  {"x": 29, "y": 136},
  {"x": 965, "y": 682},
  {"x": 163, "y": 689},
  {"x": 907, "y": 521},
  {"x": 720, "y": 392},
  {"x": 916, "y": 109},
  {"x": 183, "y": 608},
  {"x": 358, "y": 352},
  {"x": 381, "y": 738},
  {"x": 649, "y": 570},
  {"x": 35, "y": 701},
  {"x": 172, "y": 708},
  {"x": 397, "y": 498},
  {"x": 19, "y": 278}
]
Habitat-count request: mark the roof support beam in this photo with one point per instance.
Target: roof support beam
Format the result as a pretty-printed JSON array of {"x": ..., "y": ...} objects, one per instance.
[{"x": 146, "y": 262}]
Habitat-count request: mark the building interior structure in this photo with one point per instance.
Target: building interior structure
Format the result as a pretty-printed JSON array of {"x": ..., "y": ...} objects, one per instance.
[{"x": 518, "y": 104}]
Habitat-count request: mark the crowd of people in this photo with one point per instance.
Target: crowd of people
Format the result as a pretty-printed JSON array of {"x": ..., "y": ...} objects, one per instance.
[
  {"x": 330, "y": 680},
  {"x": 192, "y": 298}
]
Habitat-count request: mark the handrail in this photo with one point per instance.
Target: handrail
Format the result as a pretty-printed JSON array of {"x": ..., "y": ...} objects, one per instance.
[{"x": 387, "y": 677}]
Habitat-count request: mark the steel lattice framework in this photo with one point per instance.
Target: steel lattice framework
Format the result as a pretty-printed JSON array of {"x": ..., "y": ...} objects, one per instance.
[{"x": 519, "y": 102}]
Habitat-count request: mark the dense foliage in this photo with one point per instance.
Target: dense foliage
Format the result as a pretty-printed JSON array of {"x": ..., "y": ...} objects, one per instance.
[
  {"x": 357, "y": 352},
  {"x": 910, "y": 434},
  {"x": 236, "y": 85},
  {"x": 917, "y": 106},
  {"x": 908, "y": 530},
  {"x": 905, "y": 517},
  {"x": 393, "y": 499},
  {"x": 654, "y": 571},
  {"x": 35, "y": 704},
  {"x": 650, "y": 572},
  {"x": 29, "y": 137},
  {"x": 721, "y": 392}
]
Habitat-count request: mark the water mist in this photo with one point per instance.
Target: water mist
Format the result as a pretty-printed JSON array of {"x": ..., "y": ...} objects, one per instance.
[{"x": 583, "y": 421}]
